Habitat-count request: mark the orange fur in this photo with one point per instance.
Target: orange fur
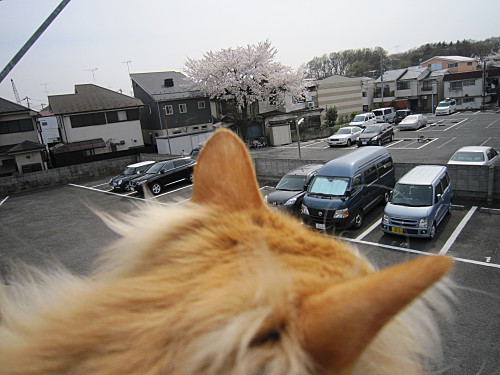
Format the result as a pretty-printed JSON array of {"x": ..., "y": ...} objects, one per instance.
[{"x": 222, "y": 285}]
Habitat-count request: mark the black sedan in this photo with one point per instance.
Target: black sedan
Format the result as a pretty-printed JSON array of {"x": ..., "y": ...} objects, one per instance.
[
  {"x": 164, "y": 173},
  {"x": 376, "y": 134}
]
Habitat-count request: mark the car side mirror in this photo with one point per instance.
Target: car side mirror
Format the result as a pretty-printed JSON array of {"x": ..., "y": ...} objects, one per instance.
[{"x": 162, "y": 171}]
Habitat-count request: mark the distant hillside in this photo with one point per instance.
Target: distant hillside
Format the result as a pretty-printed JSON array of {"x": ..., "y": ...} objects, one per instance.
[{"x": 366, "y": 61}]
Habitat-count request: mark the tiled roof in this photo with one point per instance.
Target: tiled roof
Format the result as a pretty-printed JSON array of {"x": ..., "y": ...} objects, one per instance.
[
  {"x": 90, "y": 98},
  {"x": 413, "y": 72},
  {"x": 392, "y": 75},
  {"x": 9, "y": 107},
  {"x": 154, "y": 85},
  {"x": 450, "y": 58},
  {"x": 26, "y": 146}
]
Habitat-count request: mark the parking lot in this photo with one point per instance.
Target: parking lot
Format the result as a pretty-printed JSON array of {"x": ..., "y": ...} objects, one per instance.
[{"x": 57, "y": 225}]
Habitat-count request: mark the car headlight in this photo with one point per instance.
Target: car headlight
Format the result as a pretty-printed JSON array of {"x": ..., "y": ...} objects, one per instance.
[
  {"x": 422, "y": 223},
  {"x": 265, "y": 198},
  {"x": 119, "y": 182},
  {"x": 385, "y": 219},
  {"x": 376, "y": 137},
  {"x": 290, "y": 202},
  {"x": 304, "y": 210},
  {"x": 110, "y": 180},
  {"x": 341, "y": 214}
]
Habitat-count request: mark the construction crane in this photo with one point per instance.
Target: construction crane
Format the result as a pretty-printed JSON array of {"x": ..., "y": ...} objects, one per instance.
[{"x": 16, "y": 94}]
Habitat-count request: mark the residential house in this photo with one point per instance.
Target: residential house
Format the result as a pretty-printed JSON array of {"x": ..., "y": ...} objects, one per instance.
[
  {"x": 21, "y": 149},
  {"x": 93, "y": 121},
  {"x": 455, "y": 64},
  {"x": 415, "y": 87},
  {"x": 280, "y": 122},
  {"x": 473, "y": 90},
  {"x": 171, "y": 106},
  {"x": 344, "y": 93}
]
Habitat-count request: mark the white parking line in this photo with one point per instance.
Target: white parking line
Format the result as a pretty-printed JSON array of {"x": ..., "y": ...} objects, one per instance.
[
  {"x": 100, "y": 185},
  {"x": 107, "y": 192},
  {"x": 457, "y": 231},
  {"x": 3, "y": 200},
  {"x": 487, "y": 126},
  {"x": 482, "y": 144},
  {"x": 173, "y": 191},
  {"x": 366, "y": 232},
  {"x": 447, "y": 142},
  {"x": 412, "y": 251}
]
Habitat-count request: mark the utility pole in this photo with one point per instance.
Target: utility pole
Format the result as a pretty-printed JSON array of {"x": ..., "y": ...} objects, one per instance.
[
  {"x": 379, "y": 50},
  {"x": 128, "y": 62},
  {"x": 16, "y": 94},
  {"x": 12, "y": 63}
]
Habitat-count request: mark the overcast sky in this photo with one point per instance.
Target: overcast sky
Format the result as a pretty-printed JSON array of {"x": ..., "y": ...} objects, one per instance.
[{"x": 159, "y": 35}]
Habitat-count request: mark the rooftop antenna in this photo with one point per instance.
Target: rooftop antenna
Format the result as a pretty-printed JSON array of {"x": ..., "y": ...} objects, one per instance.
[
  {"x": 128, "y": 62},
  {"x": 92, "y": 70},
  {"x": 45, "y": 86}
]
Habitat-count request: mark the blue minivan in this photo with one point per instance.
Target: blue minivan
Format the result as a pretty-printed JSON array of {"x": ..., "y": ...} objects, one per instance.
[
  {"x": 419, "y": 202},
  {"x": 344, "y": 189}
]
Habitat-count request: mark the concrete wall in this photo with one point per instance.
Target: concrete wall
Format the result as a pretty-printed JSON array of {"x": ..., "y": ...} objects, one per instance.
[{"x": 476, "y": 182}]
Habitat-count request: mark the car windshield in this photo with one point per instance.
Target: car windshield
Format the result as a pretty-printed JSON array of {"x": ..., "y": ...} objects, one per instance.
[
  {"x": 372, "y": 129},
  {"x": 128, "y": 171},
  {"x": 344, "y": 131},
  {"x": 400, "y": 113},
  {"x": 325, "y": 185},
  {"x": 359, "y": 118},
  {"x": 291, "y": 183},
  {"x": 411, "y": 118},
  {"x": 412, "y": 195},
  {"x": 155, "y": 168},
  {"x": 468, "y": 156},
  {"x": 445, "y": 104}
]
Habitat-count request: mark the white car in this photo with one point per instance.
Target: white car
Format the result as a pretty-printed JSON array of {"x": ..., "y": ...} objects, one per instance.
[
  {"x": 363, "y": 119},
  {"x": 412, "y": 122},
  {"x": 344, "y": 136},
  {"x": 475, "y": 155},
  {"x": 446, "y": 107}
]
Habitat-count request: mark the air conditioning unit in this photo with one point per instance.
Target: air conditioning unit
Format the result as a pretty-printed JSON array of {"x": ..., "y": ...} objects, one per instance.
[
  {"x": 424, "y": 96},
  {"x": 310, "y": 104}
]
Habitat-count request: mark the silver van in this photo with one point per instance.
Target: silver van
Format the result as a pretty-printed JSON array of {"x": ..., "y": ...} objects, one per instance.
[
  {"x": 419, "y": 202},
  {"x": 387, "y": 114}
]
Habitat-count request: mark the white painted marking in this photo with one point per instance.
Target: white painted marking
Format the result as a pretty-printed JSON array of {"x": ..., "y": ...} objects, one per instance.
[
  {"x": 173, "y": 191},
  {"x": 447, "y": 142},
  {"x": 427, "y": 143},
  {"x": 366, "y": 232},
  {"x": 107, "y": 183},
  {"x": 420, "y": 252},
  {"x": 487, "y": 126},
  {"x": 475, "y": 113},
  {"x": 482, "y": 144},
  {"x": 488, "y": 259},
  {"x": 3, "y": 200},
  {"x": 457, "y": 231},
  {"x": 107, "y": 192}
]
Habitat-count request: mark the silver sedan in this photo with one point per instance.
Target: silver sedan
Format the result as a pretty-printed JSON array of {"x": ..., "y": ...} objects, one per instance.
[
  {"x": 412, "y": 122},
  {"x": 344, "y": 136}
]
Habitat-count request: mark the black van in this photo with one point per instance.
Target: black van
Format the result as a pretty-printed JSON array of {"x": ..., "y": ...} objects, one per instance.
[{"x": 344, "y": 189}]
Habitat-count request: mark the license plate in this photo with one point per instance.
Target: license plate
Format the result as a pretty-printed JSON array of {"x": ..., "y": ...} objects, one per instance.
[
  {"x": 397, "y": 230},
  {"x": 320, "y": 226},
  {"x": 364, "y": 143}
]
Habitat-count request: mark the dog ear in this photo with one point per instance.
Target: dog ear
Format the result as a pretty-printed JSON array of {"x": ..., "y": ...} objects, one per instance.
[
  {"x": 224, "y": 174},
  {"x": 339, "y": 323}
]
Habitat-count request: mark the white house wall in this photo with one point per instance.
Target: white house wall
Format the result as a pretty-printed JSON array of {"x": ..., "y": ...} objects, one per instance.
[{"x": 128, "y": 131}]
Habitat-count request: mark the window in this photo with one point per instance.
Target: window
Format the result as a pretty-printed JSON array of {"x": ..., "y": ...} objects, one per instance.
[
  {"x": 384, "y": 166},
  {"x": 469, "y": 82},
  {"x": 356, "y": 184},
  {"x": 169, "y": 109},
  {"x": 445, "y": 182},
  {"x": 403, "y": 85},
  {"x": 456, "y": 85},
  {"x": 16, "y": 126},
  {"x": 122, "y": 116},
  {"x": 439, "y": 191},
  {"x": 453, "y": 65},
  {"x": 201, "y": 105},
  {"x": 180, "y": 163},
  {"x": 469, "y": 63},
  {"x": 89, "y": 119},
  {"x": 370, "y": 175},
  {"x": 182, "y": 108},
  {"x": 468, "y": 100},
  {"x": 427, "y": 85}
]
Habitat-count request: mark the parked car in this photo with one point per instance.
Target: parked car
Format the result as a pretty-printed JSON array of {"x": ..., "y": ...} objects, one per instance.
[
  {"x": 290, "y": 190},
  {"x": 121, "y": 182},
  {"x": 413, "y": 122},
  {"x": 419, "y": 202},
  {"x": 446, "y": 107},
  {"x": 344, "y": 136},
  {"x": 346, "y": 188},
  {"x": 401, "y": 114},
  {"x": 376, "y": 135},
  {"x": 363, "y": 119},
  {"x": 164, "y": 173},
  {"x": 386, "y": 114},
  {"x": 475, "y": 155}
]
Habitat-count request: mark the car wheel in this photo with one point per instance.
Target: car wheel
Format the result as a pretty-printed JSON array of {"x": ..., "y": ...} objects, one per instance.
[
  {"x": 358, "y": 220},
  {"x": 386, "y": 197},
  {"x": 391, "y": 138},
  {"x": 432, "y": 233},
  {"x": 127, "y": 187},
  {"x": 379, "y": 142},
  {"x": 449, "y": 210},
  {"x": 190, "y": 177},
  {"x": 155, "y": 188},
  {"x": 348, "y": 143}
]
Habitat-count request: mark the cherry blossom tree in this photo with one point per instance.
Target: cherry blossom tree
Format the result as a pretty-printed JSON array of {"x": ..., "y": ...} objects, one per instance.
[{"x": 245, "y": 75}]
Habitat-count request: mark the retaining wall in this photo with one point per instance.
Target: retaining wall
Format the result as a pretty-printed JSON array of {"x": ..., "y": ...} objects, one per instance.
[{"x": 476, "y": 182}]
